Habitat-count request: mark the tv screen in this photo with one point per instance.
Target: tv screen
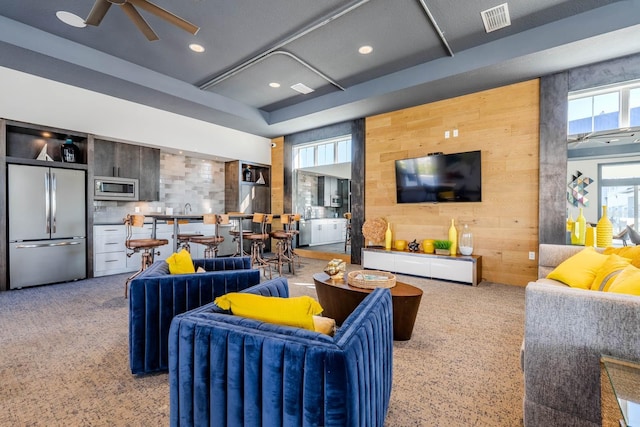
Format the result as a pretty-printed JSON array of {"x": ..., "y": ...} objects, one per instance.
[{"x": 440, "y": 178}]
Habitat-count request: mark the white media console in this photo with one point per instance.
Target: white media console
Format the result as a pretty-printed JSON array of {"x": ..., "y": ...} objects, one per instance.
[{"x": 460, "y": 268}]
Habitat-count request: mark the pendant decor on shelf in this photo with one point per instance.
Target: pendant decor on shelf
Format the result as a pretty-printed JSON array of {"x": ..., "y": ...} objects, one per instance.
[
  {"x": 260, "y": 179},
  {"x": 604, "y": 235},
  {"x": 577, "y": 194}
]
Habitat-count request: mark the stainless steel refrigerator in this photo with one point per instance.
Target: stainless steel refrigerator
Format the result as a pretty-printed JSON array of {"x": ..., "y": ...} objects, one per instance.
[{"x": 47, "y": 225}]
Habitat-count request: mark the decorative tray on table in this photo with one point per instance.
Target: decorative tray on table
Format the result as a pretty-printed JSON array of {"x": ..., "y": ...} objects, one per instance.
[{"x": 371, "y": 279}]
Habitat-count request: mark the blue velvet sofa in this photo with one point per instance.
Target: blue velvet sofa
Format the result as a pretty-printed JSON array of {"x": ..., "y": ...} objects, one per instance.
[
  {"x": 156, "y": 296},
  {"x": 226, "y": 370}
]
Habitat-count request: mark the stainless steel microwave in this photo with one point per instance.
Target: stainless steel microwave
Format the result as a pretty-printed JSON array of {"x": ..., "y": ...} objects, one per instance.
[{"x": 115, "y": 188}]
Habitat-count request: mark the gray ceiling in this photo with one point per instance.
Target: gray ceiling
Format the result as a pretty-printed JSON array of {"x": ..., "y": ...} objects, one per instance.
[{"x": 250, "y": 43}]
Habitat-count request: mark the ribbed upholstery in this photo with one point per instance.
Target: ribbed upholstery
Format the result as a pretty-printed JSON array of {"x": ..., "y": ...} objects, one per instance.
[
  {"x": 157, "y": 296},
  {"x": 226, "y": 370}
]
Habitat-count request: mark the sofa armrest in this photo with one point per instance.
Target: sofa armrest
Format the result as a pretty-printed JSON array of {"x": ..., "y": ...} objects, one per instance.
[
  {"x": 155, "y": 300},
  {"x": 566, "y": 332}
]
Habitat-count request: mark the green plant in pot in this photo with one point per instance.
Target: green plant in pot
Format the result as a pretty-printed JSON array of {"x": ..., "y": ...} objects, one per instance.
[{"x": 443, "y": 247}]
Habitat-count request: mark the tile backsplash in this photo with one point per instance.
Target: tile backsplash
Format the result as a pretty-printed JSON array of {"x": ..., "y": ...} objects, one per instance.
[{"x": 183, "y": 180}]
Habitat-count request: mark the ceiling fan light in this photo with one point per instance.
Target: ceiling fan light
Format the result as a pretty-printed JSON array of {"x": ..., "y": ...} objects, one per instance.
[{"x": 70, "y": 19}]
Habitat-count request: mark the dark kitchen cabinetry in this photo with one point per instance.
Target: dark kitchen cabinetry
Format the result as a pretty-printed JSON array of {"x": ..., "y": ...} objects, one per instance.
[
  {"x": 129, "y": 161},
  {"x": 39, "y": 145},
  {"x": 244, "y": 188}
]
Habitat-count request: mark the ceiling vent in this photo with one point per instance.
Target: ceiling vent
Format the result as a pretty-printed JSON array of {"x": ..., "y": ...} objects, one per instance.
[
  {"x": 496, "y": 17},
  {"x": 302, "y": 88}
]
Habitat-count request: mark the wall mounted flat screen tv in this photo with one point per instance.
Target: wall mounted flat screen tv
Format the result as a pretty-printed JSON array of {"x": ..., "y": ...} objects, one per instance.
[{"x": 440, "y": 178}]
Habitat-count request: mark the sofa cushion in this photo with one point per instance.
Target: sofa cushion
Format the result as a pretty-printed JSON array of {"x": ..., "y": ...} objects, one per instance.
[
  {"x": 297, "y": 312},
  {"x": 579, "y": 270},
  {"x": 631, "y": 252},
  {"x": 608, "y": 272},
  {"x": 627, "y": 282},
  {"x": 181, "y": 263}
]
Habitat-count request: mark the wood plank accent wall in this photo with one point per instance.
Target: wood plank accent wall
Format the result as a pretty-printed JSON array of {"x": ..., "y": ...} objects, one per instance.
[
  {"x": 277, "y": 183},
  {"x": 504, "y": 124}
]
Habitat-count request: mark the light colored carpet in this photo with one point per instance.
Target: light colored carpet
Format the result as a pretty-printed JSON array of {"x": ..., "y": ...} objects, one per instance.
[{"x": 64, "y": 357}]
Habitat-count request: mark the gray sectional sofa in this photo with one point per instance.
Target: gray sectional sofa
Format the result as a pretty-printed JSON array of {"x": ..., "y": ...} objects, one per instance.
[{"x": 566, "y": 331}]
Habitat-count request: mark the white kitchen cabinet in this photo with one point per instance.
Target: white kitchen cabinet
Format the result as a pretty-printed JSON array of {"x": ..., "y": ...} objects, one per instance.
[
  {"x": 109, "y": 250},
  {"x": 327, "y": 231}
]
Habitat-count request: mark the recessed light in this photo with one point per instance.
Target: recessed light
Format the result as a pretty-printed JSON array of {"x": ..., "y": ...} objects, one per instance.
[
  {"x": 196, "y": 47},
  {"x": 70, "y": 19},
  {"x": 274, "y": 84},
  {"x": 365, "y": 50}
]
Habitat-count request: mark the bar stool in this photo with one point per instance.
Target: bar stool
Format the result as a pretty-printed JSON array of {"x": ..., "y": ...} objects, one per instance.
[
  {"x": 284, "y": 240},
  {"x": 145, "y": 246},
  {"x": 347, "y": 236},
  {"x": 183, "y": 239},
  {"x": 211, "y": 242},
  {"x": 258, "y": 239}
]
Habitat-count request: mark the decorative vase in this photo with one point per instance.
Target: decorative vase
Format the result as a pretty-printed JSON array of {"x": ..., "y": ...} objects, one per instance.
[
  {"x": 466, "y": 241},
  {"x": 579, "y": 231},
  {"x": 605, "y": 230},
  {"x": 69, "y": 151},
  {"x": 427, "y": 246},
  {"x": 453, "y": 237},
  {"x": 387, "y": 237},
  {"x": 590, "y": 238}
]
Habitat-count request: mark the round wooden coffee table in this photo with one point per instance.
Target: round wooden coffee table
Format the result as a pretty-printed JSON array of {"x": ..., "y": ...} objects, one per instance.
[{"x": 339, "y": 299}]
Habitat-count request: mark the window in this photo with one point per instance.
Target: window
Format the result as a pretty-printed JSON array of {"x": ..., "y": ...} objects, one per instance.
[
  {"x": 619, "y": 186},
  {"x": 326, "y": 152},
  {"x": 602, "y": 109}
]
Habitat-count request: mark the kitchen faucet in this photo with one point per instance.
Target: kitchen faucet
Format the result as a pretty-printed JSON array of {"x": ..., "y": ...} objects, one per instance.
[{"x": 187, "y": 208}]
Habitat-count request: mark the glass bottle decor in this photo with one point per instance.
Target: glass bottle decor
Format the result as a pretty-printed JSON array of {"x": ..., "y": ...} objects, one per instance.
[
  {"x": 604, "y": 235},
  {"x": 69, "y": 151},
  {"x": 247, "y": 174},
  {"x": 579, "y": 231},
  {"x": 387, "y": 237},
  {"x": 466, "y": 241},
  {"x": 453, "y": 237}
]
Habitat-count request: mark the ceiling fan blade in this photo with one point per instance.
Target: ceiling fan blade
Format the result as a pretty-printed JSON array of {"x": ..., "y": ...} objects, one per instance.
[
  {"x": 166, "y": 15},
  {"x": 137, "y": 19},
  {"x": 98, "y": 11}
]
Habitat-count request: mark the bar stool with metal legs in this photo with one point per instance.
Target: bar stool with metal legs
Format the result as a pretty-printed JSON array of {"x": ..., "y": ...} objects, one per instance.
[
  {"x": 211, "y": 243},
  {"x": 347, "y": 236},
  {"x": 146, "y": 247},
  {"x": 183, "y": 239},
  {"x": 284, "y": 239},
  {"x": 258, "y": 240}
]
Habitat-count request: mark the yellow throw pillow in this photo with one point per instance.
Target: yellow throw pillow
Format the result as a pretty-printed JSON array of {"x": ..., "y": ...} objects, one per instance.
[
  {"x": 180, "y": 263},
  {"x": 631, "y": 252},
  {"x": 297, "y": 311},
  {"x": 627, "y": 282},
  {"x": 580, "y": 270},
  {"x": 325, "y": 325},
  {"x": 608, "y": 272}
]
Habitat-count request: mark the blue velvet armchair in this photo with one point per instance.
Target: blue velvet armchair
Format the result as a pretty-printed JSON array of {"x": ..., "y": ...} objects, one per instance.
[
  {"x": 156, "y": 296},
  {"x": 226, "y": 370}
]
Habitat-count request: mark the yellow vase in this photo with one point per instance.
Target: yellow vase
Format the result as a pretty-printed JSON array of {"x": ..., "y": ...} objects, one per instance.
[
  {"x": 579, "y": 232},
  {"x": 590, "y": 238},
  {"x": 453, "y": 237},
  {"x": 605, "y": 230},
  {"x": 387, "y": 237},
  {"x": 427, "y": 246}
]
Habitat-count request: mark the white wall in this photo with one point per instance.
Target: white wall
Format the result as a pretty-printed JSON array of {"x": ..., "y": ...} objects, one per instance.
[{"x": 32, "y": 99}]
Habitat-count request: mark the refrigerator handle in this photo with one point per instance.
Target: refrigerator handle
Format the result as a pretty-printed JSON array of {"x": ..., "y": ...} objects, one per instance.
[
  {"x": 53, "y": 201},
  {"x": 47, "y": 201}
]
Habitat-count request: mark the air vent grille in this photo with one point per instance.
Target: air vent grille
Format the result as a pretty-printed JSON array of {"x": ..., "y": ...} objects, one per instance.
[
  {"x": 302, "y": 88},
  {"x": 496, "y": 17}
]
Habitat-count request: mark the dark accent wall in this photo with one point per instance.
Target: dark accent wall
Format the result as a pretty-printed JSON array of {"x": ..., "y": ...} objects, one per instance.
[
  {"x": 554, "y": 91},
  {"x": 357, "y": 131}
]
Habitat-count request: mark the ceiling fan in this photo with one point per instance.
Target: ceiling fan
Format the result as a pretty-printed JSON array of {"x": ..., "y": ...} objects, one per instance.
[{"x": 100, "y": 8}]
